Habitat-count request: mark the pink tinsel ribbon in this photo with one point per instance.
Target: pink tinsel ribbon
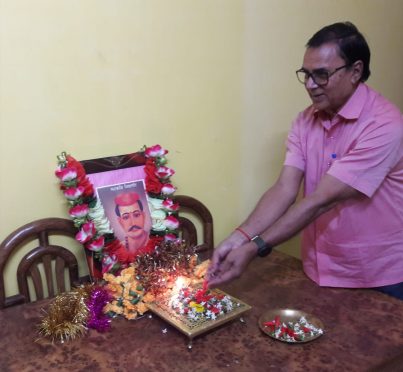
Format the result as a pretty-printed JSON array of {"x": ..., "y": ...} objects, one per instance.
[{"x": 97, "y": 319}]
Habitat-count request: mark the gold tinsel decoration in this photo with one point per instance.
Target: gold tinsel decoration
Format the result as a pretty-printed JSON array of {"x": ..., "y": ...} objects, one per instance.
[
  {"x": 170, "y": 259},
  {"x": 66, "y": 316}
]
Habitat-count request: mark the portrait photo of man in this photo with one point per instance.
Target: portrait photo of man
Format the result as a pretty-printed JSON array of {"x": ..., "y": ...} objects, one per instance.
[
  {"x": 126, "y": 208},
  {"x": 129, "y": 211}
]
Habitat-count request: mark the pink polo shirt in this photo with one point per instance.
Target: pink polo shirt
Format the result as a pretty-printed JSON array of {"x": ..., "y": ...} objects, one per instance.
[{"x": 359, "y": 243}]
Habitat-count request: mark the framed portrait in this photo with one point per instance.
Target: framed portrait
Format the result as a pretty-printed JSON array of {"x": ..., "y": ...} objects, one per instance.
[
  {"x": 119, "y": 184},
  {"x": 123, "y": 207}
]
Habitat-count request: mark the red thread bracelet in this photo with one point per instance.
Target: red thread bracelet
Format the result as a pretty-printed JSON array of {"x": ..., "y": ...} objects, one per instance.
[{"x": 243, "y": 233}]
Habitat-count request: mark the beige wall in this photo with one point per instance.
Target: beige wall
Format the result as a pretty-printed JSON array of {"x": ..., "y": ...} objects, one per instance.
[{"x": 211, "y": 80}]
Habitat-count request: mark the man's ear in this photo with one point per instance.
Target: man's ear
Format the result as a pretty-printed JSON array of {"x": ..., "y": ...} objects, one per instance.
[{"x": 358, "y": 68}]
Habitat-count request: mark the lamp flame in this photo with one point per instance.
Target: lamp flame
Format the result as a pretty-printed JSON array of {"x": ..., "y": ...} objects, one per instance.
[{"x": 179, "y": 283}]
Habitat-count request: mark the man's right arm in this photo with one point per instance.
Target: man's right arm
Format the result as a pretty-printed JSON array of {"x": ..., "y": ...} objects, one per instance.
[{"x": 274, "y": 202}]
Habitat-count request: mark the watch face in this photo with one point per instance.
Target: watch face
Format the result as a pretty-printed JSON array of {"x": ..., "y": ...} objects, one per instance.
[{"x": 262, "y": 252}]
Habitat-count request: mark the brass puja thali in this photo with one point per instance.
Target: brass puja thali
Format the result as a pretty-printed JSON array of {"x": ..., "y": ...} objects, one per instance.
[
  {"x": 292, "y": 326},
  {"x": 166, "y": 307}
]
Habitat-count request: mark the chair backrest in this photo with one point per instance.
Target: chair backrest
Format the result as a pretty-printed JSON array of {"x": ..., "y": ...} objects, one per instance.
[
  {"x": 196, "y": 209},
  {"x": 44, "y": 255}
]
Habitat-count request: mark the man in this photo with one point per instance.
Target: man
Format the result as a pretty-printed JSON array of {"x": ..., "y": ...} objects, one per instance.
[
  {"x": 130, "y": 214},
  {"x": 348, "y": 148}
]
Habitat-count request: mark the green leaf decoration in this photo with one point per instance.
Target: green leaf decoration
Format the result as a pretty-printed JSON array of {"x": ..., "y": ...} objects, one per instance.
[{"x": 135, "y": 300}]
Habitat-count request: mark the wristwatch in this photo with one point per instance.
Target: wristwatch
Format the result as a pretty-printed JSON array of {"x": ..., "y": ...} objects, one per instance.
[{"x": 263, "y": 248}]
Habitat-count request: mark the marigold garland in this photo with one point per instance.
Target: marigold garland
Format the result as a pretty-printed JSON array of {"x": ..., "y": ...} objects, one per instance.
[{"x": 129, "y": 297}]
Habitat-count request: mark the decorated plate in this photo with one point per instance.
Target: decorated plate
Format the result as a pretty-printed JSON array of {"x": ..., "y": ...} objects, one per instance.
[
  {"x": 192, "y": 328},
  {"x": 292, "y": 326}
]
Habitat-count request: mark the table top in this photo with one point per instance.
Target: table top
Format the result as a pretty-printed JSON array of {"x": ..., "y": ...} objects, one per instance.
[{"x": 363, "y": 330}]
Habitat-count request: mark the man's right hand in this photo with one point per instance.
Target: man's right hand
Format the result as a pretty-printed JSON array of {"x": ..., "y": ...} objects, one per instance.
[
  {"x": 229, "y": 264},
  {"x": 233, "y": 242}
]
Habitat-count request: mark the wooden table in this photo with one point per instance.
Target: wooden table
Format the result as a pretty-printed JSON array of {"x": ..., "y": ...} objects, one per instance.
[{"x": 363, "y": 331}]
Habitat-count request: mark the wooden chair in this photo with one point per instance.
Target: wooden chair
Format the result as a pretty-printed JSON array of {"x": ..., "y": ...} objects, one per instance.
[{"x": 44, "y": 255}]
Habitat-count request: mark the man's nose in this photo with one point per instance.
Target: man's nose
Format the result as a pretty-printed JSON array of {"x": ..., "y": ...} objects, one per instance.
[
  {"x": 310, "y": 83},
  {"x": 132, "y": 218}
]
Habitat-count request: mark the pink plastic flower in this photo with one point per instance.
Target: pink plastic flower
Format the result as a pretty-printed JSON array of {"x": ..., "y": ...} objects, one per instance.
[
  {"x": 73, "y": 193},
  {"x": 169, "y": 205},
  {"x": 168, "y": 189},
  {"x": 86, "y": 233},
  {"x": 79, "y": 211},
  {"x": 108, "y": 262},
  {"x": 66, "y": 174},
  {"x": 170, "y": 237},
  {"x": 171, "y": 223},
  {"x": 155, "y": 151},
  {"x": 164, "y": 172},
  {"x": 96, "y": 245}
]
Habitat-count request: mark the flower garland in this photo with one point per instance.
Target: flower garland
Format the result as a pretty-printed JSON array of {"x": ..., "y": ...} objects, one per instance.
[{"x": 88, "y": 215}]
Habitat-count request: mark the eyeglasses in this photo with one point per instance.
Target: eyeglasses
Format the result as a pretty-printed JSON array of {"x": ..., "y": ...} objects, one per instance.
[{"x": 320, "y": 76}]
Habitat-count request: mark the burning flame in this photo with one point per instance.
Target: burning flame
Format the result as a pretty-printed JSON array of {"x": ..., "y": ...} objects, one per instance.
[{"x": 180, "y": 282}]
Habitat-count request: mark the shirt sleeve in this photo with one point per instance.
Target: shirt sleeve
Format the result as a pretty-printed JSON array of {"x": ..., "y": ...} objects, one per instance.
[
  {"x": 295, "y": 154},
  {"x": 376, "y": 151}
]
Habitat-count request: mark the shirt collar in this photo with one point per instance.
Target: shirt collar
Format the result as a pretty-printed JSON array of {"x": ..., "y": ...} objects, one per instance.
[{"x": 353, "y": 107}]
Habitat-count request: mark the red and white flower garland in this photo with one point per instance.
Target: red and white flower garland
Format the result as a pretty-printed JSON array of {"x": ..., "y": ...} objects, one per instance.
[{"x": 95, "y": 232}]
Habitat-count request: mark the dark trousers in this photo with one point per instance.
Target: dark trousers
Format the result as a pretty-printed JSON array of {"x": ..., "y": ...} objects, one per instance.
[{"x": 394, "y": 290}]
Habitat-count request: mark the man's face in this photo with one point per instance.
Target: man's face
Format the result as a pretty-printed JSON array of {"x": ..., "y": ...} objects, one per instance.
[
  {"x": 132, "y": 220},
  {"x": 341, "y": 85}
]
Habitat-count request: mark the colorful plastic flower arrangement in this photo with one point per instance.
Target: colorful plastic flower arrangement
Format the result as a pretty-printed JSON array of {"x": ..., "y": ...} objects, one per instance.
[
  {"x": 201, "y": 303},
  {"x": 95, "y": 231},
  {"x": 292, "y": 331}
]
